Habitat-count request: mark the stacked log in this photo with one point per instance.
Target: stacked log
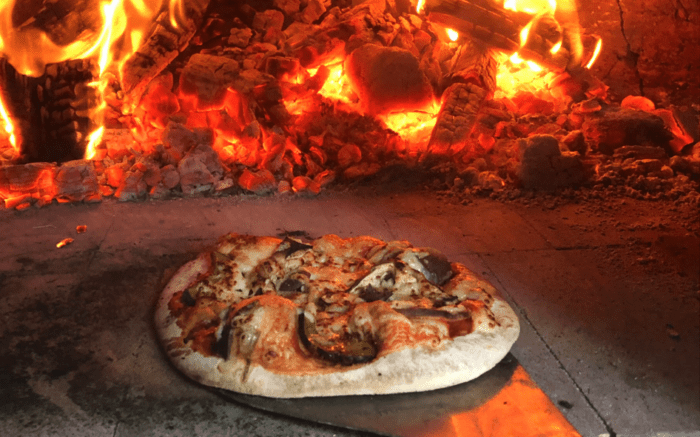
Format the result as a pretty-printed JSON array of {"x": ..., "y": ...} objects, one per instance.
[
  {"x": 51, "y": 113},
  {"x": 165, "y": 43},
  {"x": 472, "y": 80},
  {"x": 500, "y": 29}
]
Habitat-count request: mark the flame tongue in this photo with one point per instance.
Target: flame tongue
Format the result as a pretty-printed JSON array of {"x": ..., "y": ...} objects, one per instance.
[
  {"x": 118, "y": 30},
  {"x": 29, "y": 48}
]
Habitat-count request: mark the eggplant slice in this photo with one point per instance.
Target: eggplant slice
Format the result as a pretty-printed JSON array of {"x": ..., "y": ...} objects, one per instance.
[
  {"x": 377, "y": 284},
  {"x": 457, "y": 323},
  {"x": 290, "y": 246},
  {"x": 435, "y": 266},
  {"x": 349, "y": 350},
  {"x": 234, "y": 332},
  {"x": 297, "y": 282}
]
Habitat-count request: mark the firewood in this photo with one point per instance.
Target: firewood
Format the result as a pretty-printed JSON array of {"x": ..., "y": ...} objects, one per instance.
[
  {"x": 500, "y": 29},
  {"x": 612, "y": 128},
  {"x": 481, "y": 19},
  {"x": 51, "y": 113},
  {"x": 387, "y": 79},
  {"x": 76, "y": 181},
  {"x": 471, "y": 82},
  {"x": 162, "y": 47}
]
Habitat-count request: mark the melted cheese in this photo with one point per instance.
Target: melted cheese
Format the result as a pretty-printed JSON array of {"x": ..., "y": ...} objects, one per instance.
[{"x": 334, "y": 274}]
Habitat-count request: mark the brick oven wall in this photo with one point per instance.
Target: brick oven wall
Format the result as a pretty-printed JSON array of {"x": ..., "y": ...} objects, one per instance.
[{"x": 650, "y": 47}]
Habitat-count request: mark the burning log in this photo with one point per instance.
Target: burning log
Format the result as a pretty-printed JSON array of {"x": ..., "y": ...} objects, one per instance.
[
  {"x": 540, "y": 39},
  {"x": 51, "y": 112},
  {"x": 502, "y": 28},
  {"x": 611, "y": 128},
  {"x": 471, "y": 82},
  {"x": 166, "y": 42},
  {"x": 387, "y": 79},
  {"x": 497, "y": 27}
]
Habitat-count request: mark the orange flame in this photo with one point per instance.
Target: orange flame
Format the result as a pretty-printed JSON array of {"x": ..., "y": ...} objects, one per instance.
[
  {"x": 335, "y": 87},
  {"x": 530, "y": 6},
  {"x": 9, "y": 127},
  {"x": 177, "y": 12},
  {"x": 524, "y": 33},
  {"x": 555, "y": 48},
  {"x": 596, "y": 52},
  {"x": 93, "y": 140},
  {"x": 124, "y": 24},
  {"x": 452, "y": 34},
  {"x": 29, "y": 49}
]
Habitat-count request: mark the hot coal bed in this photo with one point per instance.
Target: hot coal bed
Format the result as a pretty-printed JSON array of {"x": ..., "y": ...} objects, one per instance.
[
  {"x": 570, "y": 173},
  {"x": 292, "y": 96}
]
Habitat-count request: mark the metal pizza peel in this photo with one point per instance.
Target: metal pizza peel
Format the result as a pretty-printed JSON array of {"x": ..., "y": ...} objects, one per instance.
[{"x": 504, "y": 401}]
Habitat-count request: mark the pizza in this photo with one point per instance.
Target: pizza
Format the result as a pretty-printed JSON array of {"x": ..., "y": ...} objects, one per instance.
[{"x": 284, "y": 317}]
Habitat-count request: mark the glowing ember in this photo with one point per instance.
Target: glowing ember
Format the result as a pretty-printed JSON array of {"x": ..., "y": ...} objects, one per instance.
[
  {"x": 413, "y": 127},
  {"x": 530, "y": 6},
  {"x": 336, "y": 86},
  {"x": 452, "y": 34},
  {"x": 9, "y": 128},
  {"x": 65, "y": 242},
  {"x": 555, "y": 48},
  {"x": 534, "y": 66},
  {"x": 510, "y": 5}
]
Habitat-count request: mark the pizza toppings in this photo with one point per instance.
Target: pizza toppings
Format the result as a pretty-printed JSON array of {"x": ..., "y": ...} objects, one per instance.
[
  {"x": 433, "y": 265},
  {"x": 332, "y": 305},
  {"x": 342, "y": 347},
  {"x": 243, "y": 333},
  {"x": 328, "y": 278},
  {"x": 187, "y": 299},
  {"x": 378, "y": 284},
  {"x": 458, "y": 323},
  {"x": 290, "y": 246}
]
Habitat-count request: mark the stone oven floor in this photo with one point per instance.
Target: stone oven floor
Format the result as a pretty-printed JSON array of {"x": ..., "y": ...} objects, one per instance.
[{"x": 606, "y": 290}]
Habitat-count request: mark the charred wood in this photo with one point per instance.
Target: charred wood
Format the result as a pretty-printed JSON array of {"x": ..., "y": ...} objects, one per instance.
[
  {"x": 162, "y": 47},
  {"x": 495, "y": 26},
  {"x": 500, "y": 29},
  {"x": 51, "y": 112},
  {"x": 471, "y": 82}
]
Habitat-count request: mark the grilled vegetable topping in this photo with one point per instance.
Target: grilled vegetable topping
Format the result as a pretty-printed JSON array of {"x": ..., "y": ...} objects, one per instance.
[{"x": 346, "y": 350}]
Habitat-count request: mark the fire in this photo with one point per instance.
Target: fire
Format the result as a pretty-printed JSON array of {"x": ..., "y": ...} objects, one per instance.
[
  {"x": 9, "y": 127},
  {"x": 121, "y": 32},
  {"x": 413, "y": 127},
  {"x": 93, "y": 140},
  {"x": 452, "y": 34},
  {"x": 336, "y": 86},
  {"x": 555, "y": 48},
  {"x": 524, "y": 33},
  {"x": 596, "y": 52},
  {"x": 530, "y": 6},
  {"x": 29, "y": 49}
]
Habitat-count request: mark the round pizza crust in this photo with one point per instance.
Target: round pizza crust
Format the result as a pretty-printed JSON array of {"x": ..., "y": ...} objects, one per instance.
[{"x": 409, "y": 370}]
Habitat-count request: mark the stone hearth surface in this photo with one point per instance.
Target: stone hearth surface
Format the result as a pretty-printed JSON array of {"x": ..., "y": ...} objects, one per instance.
[{"x": 606, "y": 290}]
